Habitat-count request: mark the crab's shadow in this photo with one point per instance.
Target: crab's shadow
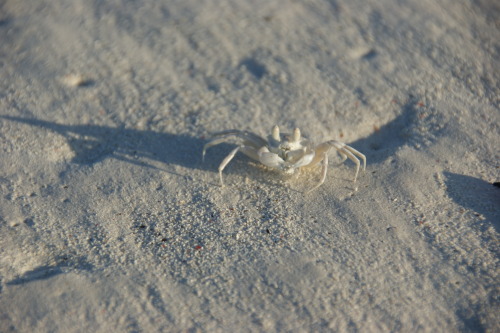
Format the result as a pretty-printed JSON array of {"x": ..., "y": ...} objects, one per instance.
[
  {"x": 385, "y": 141},
  {"x": 92, "y": 144},
  {"x": 475, "y": 194}
]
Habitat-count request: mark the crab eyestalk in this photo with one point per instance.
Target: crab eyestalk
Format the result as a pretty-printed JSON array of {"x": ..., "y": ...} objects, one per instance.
[
  {"x": 296, "y": 135},
  {"x": 276, "y": 133}
]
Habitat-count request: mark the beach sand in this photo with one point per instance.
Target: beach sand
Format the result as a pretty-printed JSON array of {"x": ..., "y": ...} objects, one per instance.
[{"x": 111, "y": 222}]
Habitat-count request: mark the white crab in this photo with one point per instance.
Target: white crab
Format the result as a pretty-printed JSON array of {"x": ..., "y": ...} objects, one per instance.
[{"x": 285, "y": 152}]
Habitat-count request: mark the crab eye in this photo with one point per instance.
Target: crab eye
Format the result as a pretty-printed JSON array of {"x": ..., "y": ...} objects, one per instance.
[
  {"x": 296, "y": 135},
  {"x": 276, "y": 133}
]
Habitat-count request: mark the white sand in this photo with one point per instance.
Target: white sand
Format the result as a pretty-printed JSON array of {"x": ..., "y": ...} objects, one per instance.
[{"x": 109, "y": 220}]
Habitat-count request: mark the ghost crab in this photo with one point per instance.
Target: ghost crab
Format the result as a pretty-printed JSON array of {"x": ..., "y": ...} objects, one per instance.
[{"x": 284, "y": 151}]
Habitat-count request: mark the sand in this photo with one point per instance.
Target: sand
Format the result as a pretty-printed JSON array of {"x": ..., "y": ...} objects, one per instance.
[{"x": 111, "y": 222}]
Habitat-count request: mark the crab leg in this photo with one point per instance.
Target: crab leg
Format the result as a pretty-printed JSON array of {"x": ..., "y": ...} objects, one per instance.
[
  {"x": 345, "y": 152},
  {"x": 353, "y": 158},
  {"x": 252, "y": 137},
  {"x": 249, "y": 138},
  {"x": 247, "y": 150},
  {"x": 324, "y": 168}
]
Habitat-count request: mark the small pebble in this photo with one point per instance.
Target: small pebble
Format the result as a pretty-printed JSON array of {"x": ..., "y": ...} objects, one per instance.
[{"x": 75, "y": 80}]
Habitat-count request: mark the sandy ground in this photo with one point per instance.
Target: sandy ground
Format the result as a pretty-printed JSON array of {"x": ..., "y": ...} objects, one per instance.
[{"x": 109, "y": 220}]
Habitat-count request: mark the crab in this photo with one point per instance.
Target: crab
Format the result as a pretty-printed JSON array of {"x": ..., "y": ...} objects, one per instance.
[{"x": 287, "y": 152}]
